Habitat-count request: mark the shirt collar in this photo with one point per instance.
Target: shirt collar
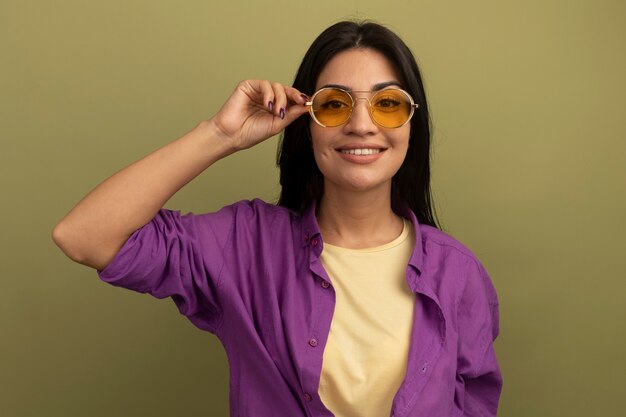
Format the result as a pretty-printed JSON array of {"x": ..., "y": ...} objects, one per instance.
[
  {"x": 418, "y": 252},
  {"x": 311, "y": 230}
]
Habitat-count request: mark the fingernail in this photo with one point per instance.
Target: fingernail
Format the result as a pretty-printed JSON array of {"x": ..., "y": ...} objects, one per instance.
[
  {"x": 282, "y": 113},
  {"x": 270, "y": 105},
  {"x": 305, "y": 97}
]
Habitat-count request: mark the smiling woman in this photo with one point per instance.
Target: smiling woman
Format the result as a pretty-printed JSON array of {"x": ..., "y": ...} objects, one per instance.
[
  {"x": 358, "y": 158},
  {"x": 342, "y": 299}
]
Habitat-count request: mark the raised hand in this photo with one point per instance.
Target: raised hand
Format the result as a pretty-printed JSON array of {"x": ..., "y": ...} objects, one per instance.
[
  {"x": 97, "y": 227},
  {"x": 257, "y": 110}
]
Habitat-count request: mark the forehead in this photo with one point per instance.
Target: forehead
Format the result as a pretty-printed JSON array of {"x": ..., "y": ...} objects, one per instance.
[{"x": 357, "y": 69}]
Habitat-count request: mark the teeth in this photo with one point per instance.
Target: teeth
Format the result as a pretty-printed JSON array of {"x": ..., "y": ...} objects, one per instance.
[{"x": 360, "y": 151}]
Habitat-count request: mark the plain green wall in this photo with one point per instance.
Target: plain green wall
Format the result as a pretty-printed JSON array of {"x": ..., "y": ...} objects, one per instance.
[{"x": 528, "y": 103}]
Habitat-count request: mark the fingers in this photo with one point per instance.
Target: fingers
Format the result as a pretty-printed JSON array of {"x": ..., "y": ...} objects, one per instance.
[
  {"x": 295, "y": 104},
  {"x": 277, "y": 98},
  {"x": 268, "y": 95},
  {"x": 257, "y": 110},
  {"x": 260, "y": 109}
]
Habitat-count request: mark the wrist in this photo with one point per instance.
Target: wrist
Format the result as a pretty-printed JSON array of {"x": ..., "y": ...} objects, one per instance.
[{"x": 215, "y": 139}]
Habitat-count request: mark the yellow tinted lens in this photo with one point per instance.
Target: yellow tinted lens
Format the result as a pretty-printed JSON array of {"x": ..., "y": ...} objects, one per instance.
[
  {"x": 332, "y": 107},
  {"x": 391, "y": 108}
]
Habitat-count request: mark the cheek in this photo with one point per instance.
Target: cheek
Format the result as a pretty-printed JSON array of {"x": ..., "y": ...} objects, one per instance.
[
  {"x": 316, "y": 132},
  {"x": 402, "y": 145},
  {"x": 322, "y": 157},
  {"x": 401, "y": 140},
  {"x": 405, "y": 133},
  {"x": 319, "y": 142}
]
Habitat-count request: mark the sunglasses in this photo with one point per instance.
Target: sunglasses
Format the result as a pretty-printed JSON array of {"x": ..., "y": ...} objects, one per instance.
[{"x": 390, "y": 107}]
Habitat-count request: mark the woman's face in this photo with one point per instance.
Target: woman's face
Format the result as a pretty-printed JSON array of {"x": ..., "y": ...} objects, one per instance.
[{"x": 336, "y": 149}]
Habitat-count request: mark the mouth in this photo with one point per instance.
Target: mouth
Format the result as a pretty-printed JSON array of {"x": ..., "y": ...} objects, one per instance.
[{"x": 361, "y": 151}]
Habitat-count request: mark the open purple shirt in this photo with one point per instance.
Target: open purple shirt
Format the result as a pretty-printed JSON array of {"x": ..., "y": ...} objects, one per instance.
[{"x": 251, "y": 274}]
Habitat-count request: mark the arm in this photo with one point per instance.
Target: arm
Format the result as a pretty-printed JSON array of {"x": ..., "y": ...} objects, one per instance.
[{"x": 98, "y": 226}]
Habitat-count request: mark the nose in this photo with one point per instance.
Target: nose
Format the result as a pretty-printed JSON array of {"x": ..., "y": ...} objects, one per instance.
[{"x": 360, "y": 121}]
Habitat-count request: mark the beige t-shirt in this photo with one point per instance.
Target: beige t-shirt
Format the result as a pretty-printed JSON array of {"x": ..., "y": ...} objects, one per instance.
[{"x": 366, "y": 354}]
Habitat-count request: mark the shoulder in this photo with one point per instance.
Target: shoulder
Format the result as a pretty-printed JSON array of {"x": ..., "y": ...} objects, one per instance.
[
  {"x": 257, "y": 211},
  {"x": 241, "y": 210},
  {"x": 436, "y": 243},
  {"x": 259, "y": 207},
  {"x": 452, "y": 268},
  {"x": 249, "y": 216}
]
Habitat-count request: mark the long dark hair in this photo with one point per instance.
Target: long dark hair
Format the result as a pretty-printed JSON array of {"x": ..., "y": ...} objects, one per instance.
[{"x": 301, "y": 180}]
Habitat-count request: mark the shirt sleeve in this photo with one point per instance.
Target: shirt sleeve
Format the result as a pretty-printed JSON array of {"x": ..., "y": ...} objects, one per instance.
[
  {"x": 179, "y": 257},
  {"x": 479, "y": 381}
]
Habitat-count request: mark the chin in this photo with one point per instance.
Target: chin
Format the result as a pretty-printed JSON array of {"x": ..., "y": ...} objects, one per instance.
[{"x": 362, "y": 184}]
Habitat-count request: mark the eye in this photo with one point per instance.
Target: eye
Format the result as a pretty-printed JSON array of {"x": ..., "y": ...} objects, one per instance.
[
  {"x": 387, "y": 102},
  {"x": 388, "y": 105},
  {"x": 334, "y": 104}
]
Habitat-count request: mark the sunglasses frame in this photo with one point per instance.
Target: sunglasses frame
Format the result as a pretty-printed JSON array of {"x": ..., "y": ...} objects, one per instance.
[{"x": 353, "y": 100}]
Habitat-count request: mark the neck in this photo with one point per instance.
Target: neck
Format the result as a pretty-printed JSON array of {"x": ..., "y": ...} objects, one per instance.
[{"x": 358, "y": 219}]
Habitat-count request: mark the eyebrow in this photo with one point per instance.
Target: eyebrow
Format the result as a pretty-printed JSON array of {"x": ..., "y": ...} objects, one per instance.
[{"x": 376, "y": 87}]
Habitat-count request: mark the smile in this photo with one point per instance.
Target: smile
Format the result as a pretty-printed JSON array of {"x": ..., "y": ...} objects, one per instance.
[{"x": 366, "y": 151}]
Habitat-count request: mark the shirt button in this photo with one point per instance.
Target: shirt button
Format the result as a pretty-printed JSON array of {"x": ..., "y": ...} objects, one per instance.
[
  {"x": 313, "y": 342},
  {"x": 307, "y": 396},
  {"x": 314, "y": 241},
  {"x": 325, "y": 284}
]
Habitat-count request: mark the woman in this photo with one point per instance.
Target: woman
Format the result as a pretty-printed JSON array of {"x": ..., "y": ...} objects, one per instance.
[{"x": 344, "y": 299}]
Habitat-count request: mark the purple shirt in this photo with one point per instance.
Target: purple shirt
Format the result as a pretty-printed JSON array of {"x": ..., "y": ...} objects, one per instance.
[{"x": 251, "y": 274}]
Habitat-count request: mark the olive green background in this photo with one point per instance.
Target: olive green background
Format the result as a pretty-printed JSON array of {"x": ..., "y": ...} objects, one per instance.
[{"x": 528, "y": 103}]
